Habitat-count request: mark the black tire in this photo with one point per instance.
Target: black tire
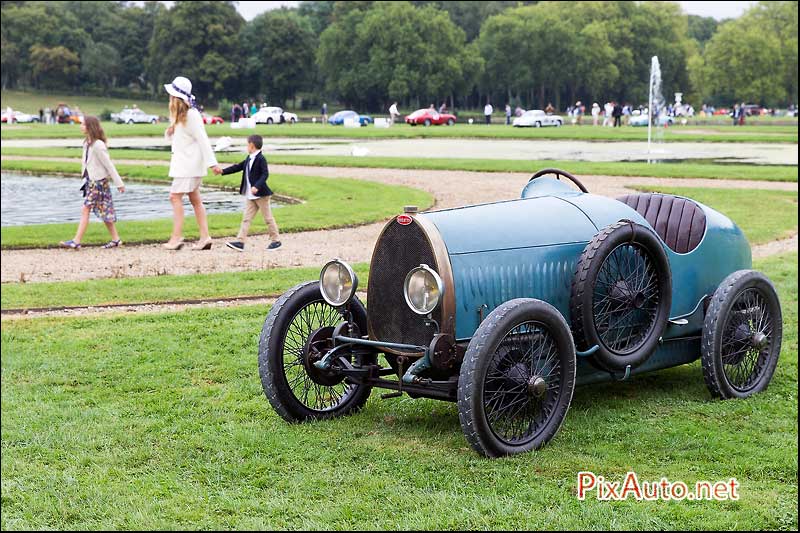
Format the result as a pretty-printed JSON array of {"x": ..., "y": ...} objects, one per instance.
[
  {"x": 737, "y": 362},
  {"x": 544, "y": 404},
  {"x": 623, "y": 310},
  {"x": 269, "y": 120},
  {"x": 154, "y": 121},
  {"x": 273, "y": 368},
  {"x": 130, "y": 122},
  {"x": 537, "y": 124},
  {"x": 558, "y": 123},
  {"x": 427, "y": 122},
  {"x": 293, "y": 120},
  {"x": 450, "y": 121}
]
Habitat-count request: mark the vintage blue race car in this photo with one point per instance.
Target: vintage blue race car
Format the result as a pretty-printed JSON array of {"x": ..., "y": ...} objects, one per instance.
[{"x": 505, "y": 307}]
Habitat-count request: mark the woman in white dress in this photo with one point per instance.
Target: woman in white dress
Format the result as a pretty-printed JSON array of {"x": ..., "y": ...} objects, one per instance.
[{"x": 192, "y": 156}]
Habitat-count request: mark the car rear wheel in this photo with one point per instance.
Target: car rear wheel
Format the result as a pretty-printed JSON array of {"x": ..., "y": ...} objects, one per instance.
[
  {"x": 427, "y": 122},
  {"x": 293, "y": 120},
  {"x": 153, "y": 121},
  {"x": 450, "y": 121},
  {"x": 537, "y": 124},
  {"x": 269, "y": 121},
  {"x": 621, "y": 296},
  {"x": 130, "y": 121},
  {"x": 517, "y": 379},
  {"x": 558, "y": 123},
  {"x": 742, "y": 335},
  {"x": 295, "y": 388}
]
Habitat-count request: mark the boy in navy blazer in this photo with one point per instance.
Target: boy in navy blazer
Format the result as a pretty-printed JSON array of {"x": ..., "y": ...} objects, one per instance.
[{"x": 257, "y": 195}]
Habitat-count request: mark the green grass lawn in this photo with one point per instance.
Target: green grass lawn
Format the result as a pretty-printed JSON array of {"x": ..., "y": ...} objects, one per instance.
[
  {"x": 613, "y": 168},
  {"x": 329, "y": 203},
  {"x": 768, "y": 134},
  {"x": 746, "y": 207},
  {"x": 159, "y": 422},
  {"x": 157, "y": 289}
]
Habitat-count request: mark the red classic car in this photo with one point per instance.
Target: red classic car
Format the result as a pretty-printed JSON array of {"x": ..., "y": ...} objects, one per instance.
[
  {"x": 208, "y": 119},
  {"x": 430, "y": 116}
]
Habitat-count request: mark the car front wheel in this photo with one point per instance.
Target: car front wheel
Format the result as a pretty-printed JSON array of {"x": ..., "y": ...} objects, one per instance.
[
  {"x": 537, "y": 124},
  {"x": 450, "y": 121},
  {"x": 295, "y": 388},
  {"x": 130, "y": 122},
  {"x": 427, "y": 122},
  {"x": 517, "y": 379},
  {"x": 269, "y": 121}
]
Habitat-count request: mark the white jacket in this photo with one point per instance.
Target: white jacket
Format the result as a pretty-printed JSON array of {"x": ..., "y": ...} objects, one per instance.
[
  {"x": 98, "y": 165},
  {"x": 192, "y": 154}
]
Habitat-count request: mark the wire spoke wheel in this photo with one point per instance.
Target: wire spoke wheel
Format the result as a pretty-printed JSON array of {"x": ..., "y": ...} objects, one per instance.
[
  {"x": 747, "y": 335},
  {"x": 516, "y": 382},
  {"x": 299, "y": 374},
  {"x": 296, "y": 334},
  {"x": 625, "y": 299},
  {"x": 742, "y": 335},
  {"x": 522, "y": 383}
]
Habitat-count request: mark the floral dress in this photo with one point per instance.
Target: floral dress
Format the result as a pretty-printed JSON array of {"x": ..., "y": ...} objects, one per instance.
[{"x": 98, "y": 198}]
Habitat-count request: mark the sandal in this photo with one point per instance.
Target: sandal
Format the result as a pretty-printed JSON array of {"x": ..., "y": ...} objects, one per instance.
[
  {"x": 112, "y": 244},
  {"x": 70, "y": 244}
]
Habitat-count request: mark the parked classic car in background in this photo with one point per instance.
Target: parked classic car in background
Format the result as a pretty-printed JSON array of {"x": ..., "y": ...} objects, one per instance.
[
  {"x": 338, "y": 118},
  {"x": 641, "y": 120},
  {"x": 505, "y": 307},
  {"x": 537, "y": 118},
  {"x": 211, "y": 119},
  {"x": 427, "y": 117},
  {"x": 274, "y": 115},
  {"x": 18, "y": 116},
  {"x": 134, "y": 116}
]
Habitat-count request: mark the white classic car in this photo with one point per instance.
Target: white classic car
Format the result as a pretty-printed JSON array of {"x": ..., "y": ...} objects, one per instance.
[
  {"x": 274, "y": 115},
  {"x": 133, "y": 116},
  {"x": 19, "y": 116},
  {"x": 642, "y": 118},
  {"x": 537, "y": 119}
]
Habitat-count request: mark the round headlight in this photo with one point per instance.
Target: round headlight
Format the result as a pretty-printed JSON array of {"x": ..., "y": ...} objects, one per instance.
[
  {"x": 337, "y": 282},
  {"x": 423, "y": 289}
]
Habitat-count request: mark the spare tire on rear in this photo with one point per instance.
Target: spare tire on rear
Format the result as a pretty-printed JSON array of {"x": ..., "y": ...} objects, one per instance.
[{"x": 621, "y": 296}]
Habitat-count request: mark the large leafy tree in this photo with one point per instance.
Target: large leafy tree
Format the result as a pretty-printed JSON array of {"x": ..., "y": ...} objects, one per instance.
[
  {"x": 53, "y": 67},
  {"x": 730, "y": 71},
  {"x": 279, "y": 47},
  {"x": 198, "y": 40},
  {"x": 393, "y": 50}
]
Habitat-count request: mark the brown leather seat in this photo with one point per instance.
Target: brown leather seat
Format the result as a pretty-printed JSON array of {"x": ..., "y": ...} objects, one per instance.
[{"x": 680, "y": 222}]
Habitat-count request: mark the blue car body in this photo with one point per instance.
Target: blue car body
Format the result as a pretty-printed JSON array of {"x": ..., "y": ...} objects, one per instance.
[
  {"x": 337, "y": 119},
  {"x": 529, "y": 248}
]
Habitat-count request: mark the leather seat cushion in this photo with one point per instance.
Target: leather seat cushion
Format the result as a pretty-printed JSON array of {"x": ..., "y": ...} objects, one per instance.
[{"x": 680, "y": 222}]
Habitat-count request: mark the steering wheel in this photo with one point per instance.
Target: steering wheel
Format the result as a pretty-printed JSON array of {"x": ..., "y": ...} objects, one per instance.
[{"x": 558, "y": 173}]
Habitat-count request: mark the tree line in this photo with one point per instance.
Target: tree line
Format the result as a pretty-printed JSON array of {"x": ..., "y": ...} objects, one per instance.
[{"x": 367, "y": 54}]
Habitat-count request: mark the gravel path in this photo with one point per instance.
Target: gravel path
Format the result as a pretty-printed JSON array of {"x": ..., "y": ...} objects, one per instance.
[{"x": 313, "y": 248}]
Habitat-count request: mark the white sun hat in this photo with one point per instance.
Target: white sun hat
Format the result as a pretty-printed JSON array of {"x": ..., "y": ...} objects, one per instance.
[{"x": 181, "y": 88}]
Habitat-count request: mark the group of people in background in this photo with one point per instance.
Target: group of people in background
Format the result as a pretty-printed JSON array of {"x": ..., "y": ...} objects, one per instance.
[
  {"x": 612, "y": 114},
  {"x": 243, "y": 110},
  {"x": 192, "y": 157}
]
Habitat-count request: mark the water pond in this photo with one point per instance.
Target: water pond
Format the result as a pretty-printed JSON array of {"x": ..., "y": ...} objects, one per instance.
[{"x": 30, "y": 199}]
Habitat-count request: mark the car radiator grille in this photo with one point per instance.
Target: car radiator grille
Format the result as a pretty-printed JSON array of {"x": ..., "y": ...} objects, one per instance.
[{"x": 399, "y": 249}]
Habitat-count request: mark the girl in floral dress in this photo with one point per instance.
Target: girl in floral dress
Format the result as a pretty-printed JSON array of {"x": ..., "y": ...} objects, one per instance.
[{"x": 97, "y": 168}]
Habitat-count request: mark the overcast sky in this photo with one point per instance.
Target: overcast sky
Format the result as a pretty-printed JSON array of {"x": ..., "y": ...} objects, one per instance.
[{"x": 718, "y": 10}]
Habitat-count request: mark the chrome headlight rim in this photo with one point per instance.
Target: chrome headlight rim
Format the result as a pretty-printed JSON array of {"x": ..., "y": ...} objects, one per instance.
[
  {"x": 353, "y": 277},
  {"x": 439, "y": 285}
]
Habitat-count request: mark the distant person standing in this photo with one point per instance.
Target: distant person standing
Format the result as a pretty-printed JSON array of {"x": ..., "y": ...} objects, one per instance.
[
  {"x": 578, "y": 112},
  {"x": 741, "y": 114},
  {"x": 393, "y": 112},
  {"x": 245, "y": 110},
  {"x": 617, "y": 114},
  {"x": 735, "y": 114},
  {"x": 608, "y": 109},
  {"x": 595, "y": 113},
  {"x": 549, "y": 110},
  {"x": 324, "y": 112},
  {"x": 253, "y": 109},
  {"x": 41, "y": 115},
  {"x": 508, "y": 115},
  {"x": 487, "y": 113},
  {"x": 443, "y": 108}
]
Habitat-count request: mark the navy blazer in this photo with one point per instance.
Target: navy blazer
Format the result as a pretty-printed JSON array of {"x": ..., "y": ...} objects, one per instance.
[{"x": 258, "y": 174}]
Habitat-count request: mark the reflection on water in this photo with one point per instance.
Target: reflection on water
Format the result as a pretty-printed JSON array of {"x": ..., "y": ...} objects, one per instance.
[{"x": 42, "y": 200}]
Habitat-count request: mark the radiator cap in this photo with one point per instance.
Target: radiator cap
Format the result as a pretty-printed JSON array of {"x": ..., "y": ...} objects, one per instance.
[{"x": 410, "y": 209}]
